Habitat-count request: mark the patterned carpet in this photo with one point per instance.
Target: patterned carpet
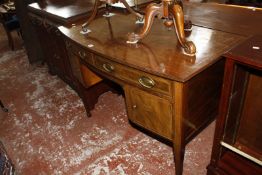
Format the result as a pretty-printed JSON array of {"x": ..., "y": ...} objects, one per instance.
[{"x": 47, "y": 132}]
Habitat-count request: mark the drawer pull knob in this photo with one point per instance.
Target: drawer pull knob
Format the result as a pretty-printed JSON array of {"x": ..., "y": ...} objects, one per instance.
[
  {"x": 146, "y": 82},
  {"x": 134, "y": 106},
  {"x": 82, "y": 54},
  {"x": 108, "y": 67}
]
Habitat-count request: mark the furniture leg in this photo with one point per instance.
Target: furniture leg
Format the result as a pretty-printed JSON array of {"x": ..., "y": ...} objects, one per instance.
[
  {"x": 131, "y": 10},
  {"x": 10, "y": 40},
  {"x": 162, "y": 10},
  {"x": 92, "y": 17},
  {"x": 178, "y": 136},
  {"x": 3, "y": 107},
  {"x": 179, "y": 151},
  {"x": 90, "y": 95},
  {"x": 178, "y": 14},
  {"x": 151, "y": 11}
]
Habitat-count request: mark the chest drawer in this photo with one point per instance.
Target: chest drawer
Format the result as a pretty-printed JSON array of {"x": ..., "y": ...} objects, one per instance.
[{"x": 133, "y": 76}]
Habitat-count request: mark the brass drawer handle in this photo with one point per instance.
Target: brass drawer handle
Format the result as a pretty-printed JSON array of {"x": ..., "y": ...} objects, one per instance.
[
  {"x": 108, "y": 67},
  {"x": 82, "y": 54},
  {"x": 146, "y": 82}
]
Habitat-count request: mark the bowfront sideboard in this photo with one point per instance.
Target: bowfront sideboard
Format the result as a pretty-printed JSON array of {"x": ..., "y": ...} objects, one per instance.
[
  {"x": 168, "y": 93},
  {"x": 46, "y": 16}
]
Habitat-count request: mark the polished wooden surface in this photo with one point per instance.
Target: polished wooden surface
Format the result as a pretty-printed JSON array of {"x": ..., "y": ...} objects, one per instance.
[
  {"x": 64, "y": 12},
  {"x": 249, "y": 52},
  {"x": 149, "y": 111},
  {"x": 172, "y": 12},
  {"x": 159, "y": 53},
  {"x": 132, "y": 76},
  {"x": 232, "y": 19},
  {"x": 240, "y": 117},
  {"x": 99, "y": 3}
]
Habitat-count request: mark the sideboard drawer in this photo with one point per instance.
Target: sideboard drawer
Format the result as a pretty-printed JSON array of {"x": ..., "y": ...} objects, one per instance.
[
  {"x": 82, "y": 53},
  {"x": 78, "y": 55},
  {"x": 133, "y": 76}
]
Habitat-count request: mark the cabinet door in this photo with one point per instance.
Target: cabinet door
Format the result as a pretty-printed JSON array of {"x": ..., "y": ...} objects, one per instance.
[
  {"x": 149, "y": 111},
  {"x": 244, "y": 118}
]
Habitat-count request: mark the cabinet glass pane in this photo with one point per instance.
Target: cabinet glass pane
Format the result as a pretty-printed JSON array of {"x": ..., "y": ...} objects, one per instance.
[{"x": 243, "y": 126}]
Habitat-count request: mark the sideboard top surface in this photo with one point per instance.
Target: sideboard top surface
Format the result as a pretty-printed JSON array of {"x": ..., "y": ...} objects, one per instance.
[
  {"x": 249, "y": 52},
  {"x": 158, "y": 53},
  {"x": 239, "y": 20},
  {"x": 63, "y": 11}
]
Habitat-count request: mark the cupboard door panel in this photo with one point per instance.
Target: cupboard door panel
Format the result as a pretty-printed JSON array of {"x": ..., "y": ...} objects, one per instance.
[{"x": 149, "y": 111}]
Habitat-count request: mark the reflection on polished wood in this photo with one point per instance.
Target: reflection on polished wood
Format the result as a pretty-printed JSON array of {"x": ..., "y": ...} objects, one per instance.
[
  {"x": 98, "y": 3},
  {"x": 159, "y": 53},
  {"x": 62, "y": 12},
  {"x": 233, "y": 19},
  {"x": 173, "y": 14}
]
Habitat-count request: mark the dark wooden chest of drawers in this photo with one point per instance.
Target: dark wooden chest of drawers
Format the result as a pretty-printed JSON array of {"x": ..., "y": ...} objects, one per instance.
[
  {"x": 47, "y": 16},
  {"x": 238, "y": 137}
]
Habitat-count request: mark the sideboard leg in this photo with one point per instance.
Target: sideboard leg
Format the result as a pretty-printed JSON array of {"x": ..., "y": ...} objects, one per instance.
[
  {"x": 178, "y": 136},
  {"x": 179, "y": 151},
  {"x": 3, "y": 107},
  {"x": 90, "y": 95}
]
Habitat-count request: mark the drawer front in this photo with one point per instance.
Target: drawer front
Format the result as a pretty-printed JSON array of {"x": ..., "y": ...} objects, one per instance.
[
  {"x": 149, "y": 111},
  {"x": 82, "y": 53},
  {"x": 132, "y": 76},
  {"x": 76, "y": 55}
]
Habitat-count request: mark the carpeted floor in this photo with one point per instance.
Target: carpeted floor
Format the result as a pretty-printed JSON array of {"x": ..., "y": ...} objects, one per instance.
[{"x": 47, "y": 132}]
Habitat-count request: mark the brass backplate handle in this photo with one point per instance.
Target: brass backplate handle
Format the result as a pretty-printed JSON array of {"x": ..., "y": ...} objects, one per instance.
[
  {"x": 82, "y": 54},
  {"x": 108, "y": 67},
  {"x": 146, "y": 82}
]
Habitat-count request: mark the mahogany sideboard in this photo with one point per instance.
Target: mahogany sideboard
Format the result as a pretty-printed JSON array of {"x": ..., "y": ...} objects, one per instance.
[
  {"x": 166, "y": 92},
  {"x": 237, "y": 147},
  {"x": 170, "y": 94},
  {"x": 46, "y": 16}
]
